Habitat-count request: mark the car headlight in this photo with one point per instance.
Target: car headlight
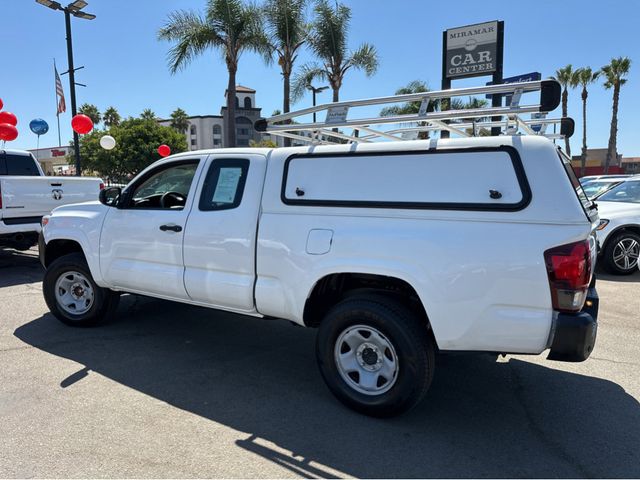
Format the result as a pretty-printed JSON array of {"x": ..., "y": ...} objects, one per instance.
[
  {"x": 44, "y": 220},
  {"x": 603, "y": 223}
]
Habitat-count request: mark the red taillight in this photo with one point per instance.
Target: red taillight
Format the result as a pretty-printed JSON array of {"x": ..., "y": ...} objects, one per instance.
[
  {"x": 569, "y": 270},
  {"x": 102, "y": 186}
]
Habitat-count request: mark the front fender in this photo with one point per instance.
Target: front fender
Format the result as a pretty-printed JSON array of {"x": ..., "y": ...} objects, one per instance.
[{"x": 83, "y": 227}]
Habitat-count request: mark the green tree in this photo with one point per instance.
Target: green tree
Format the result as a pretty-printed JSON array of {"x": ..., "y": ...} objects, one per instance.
[
  {"x": 111, "y": 117},
  {"x": 148, "y": 114},
  {"x": 568, "y": 79},
  {"x": 91, "y": 111},
  {"x": 179, "y": 120},
  {"x": 287, "y": 31},
  {"x": 137, "y": 142},
  {"x": 614, "y": 74},
  {"x": 229, "y": 26},
  {"x": 585, "y": 77},
  {"x": 328, "y": 41}
]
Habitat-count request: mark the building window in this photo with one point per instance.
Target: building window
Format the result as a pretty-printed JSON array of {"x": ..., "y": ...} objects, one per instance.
[
  {"x": 216, "y": 142},
  {"x": 243, "y": 131},
  {"x": 247, "y": 102},
  {"x": 242, "y": 142},
  {"x": 192, "y": 130},
  {"x": 243, "y": 127},
  {"x": 193, "y": 142},
  {"x": 217, "y": 130}
]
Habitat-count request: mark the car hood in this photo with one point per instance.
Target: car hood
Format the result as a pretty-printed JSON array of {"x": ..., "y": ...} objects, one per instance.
[
  {"x": 82, "y": 209},
  {"x": 611, "y": 210}
]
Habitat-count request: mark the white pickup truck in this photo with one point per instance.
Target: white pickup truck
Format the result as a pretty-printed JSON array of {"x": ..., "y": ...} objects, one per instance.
[
  {"x": 395, "y": 251},
  {"x": 26, "y": 195}
]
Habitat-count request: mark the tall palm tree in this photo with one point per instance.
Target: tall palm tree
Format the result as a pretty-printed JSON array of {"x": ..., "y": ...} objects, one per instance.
[
  {"x": 568, "y": 79},
  {"x": 328, "y": 41},
  {"x": 287, "y": 32},
  {"x": 91, "y": 111},
  {"x": 148, "y": 114},
  {"x": 415, "y": 86},
  {"x": 585, "y": 76},
  {"x": 229, "y": 26},
  {"x": 179, "y": 120},
  {"x": 111, "y": 117},
  {"x": 614, "y": 74}
]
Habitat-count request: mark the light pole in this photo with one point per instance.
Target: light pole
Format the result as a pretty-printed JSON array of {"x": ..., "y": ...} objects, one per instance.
[
  {"x": 315, "y": 90},
  {"x": 74, "y": 8}
]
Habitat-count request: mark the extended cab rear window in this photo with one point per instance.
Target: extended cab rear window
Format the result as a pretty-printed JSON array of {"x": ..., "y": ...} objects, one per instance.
[
  {"x": 20, "y": 165},
  {"x": 489, "y": 178}
]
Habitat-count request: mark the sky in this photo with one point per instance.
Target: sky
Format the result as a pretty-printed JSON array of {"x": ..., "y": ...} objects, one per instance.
[{"x": 126, "y": 67}]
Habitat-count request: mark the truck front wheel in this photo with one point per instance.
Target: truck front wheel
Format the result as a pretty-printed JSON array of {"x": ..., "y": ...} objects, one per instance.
[
  {"x": 375, "y": 355},
  {"x": 73, "y": 296}
]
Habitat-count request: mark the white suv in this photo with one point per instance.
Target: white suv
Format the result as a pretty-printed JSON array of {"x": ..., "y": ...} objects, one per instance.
[{"x": 619, "y": 230}]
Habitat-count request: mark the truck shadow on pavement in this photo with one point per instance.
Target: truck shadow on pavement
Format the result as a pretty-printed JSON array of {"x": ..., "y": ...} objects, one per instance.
[
  {"x": 481, "y": 418},
  {"x": 18, "y": 268}
]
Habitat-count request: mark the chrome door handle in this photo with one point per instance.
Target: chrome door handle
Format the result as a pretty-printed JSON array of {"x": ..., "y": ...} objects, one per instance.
[{"x": 173, "y": 228}]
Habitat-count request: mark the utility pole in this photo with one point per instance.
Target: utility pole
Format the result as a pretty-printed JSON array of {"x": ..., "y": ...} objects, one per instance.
[{"x": 75, "y": 9}]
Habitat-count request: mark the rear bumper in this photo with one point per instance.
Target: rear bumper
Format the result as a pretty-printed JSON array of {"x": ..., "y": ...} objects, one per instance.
[{"x": 574, "y": 334}]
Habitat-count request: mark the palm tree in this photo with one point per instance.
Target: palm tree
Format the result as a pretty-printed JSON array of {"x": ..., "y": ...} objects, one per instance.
[
  {"x": 585, "y": 77},
  {"x": 568, "y": 79},
  {"x": 179, "y": 120},
  {"x": 287, "y": 31},
  {"x": 148, "y": 114},
  {"x": 614, "y": 74},
  {"x": 229, "y": 26},
  {"x": 111, "y": 117},
  {"x": 90, "y": 111},
  {"x": 328, "y": 41},
  {"x": 415, "y": 86}
]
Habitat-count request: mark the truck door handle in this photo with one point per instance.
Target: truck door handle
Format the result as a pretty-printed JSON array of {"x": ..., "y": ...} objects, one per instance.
[{"x": 173, "y": 228}]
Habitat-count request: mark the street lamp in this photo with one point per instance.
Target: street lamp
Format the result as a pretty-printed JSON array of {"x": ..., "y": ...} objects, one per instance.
[
  {"x": 75, "y": 9},
  {"x": 315, "y": 90}
]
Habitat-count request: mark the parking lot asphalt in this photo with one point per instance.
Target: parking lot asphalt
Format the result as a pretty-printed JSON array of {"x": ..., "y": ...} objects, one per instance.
[{"x": 169, "y": 390}]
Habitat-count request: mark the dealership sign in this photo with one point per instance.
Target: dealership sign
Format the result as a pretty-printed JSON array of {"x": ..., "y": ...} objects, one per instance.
[{"x": 471, "y": 50}]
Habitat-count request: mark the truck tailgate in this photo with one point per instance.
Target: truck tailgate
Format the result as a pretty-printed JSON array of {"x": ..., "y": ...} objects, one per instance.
[{"x": 37, "y": 196}]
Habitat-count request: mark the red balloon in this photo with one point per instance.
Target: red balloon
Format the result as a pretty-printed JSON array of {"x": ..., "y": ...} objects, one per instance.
[
  {"x": 81, "y": 124},
  {"x": 1, "y": 104},
  {"x": 8, "y": 132},
  {"x": 8, "y": 117},
  {"x": 164, "y": 150}
]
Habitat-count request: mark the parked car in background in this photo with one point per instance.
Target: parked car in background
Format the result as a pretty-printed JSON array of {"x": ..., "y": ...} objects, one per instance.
[
  {"x": 619, "y": 229},
  {"x": 591, "y": 178},
  {"x": 26, "y": 194}
]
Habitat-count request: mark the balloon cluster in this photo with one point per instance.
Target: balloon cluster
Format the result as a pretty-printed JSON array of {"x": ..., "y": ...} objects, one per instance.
[{"x": 8, "y": 122}]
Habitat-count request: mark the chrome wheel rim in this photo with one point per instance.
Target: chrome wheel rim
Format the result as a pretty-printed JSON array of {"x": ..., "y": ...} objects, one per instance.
[
  {"x": 625, "y": 253},
  {"x": 74, "y": 293},
  {"x": 366, "y": 360}
]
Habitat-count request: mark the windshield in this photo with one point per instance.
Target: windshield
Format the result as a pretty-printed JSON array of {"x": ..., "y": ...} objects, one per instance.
[
  {"x": 596, "y": 187},
  {"x": 628, "y": 191}
]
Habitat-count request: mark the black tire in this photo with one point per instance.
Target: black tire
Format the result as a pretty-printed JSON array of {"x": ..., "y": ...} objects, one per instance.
[
  {"x": 411, "y": 341},
  {"x": 611, "y": 249},
  {"x": 104, "y": 304}
]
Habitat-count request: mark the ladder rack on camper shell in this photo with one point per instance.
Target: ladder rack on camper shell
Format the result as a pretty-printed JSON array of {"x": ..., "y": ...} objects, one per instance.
[{"x": 465, "y": 122}]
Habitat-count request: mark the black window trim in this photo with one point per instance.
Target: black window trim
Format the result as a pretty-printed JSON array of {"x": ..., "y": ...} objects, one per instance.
[
  {"x": 127, "y": 194},
  {"x": 516, "y": 161},
  {"x": 211, "y": 181}
]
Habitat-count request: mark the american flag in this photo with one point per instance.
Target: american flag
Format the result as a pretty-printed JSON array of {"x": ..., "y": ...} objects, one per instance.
[{"x": 62, "y": 106}]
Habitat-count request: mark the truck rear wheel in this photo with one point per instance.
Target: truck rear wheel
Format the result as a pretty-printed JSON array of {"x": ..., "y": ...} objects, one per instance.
[
  {"x": 375, "y": 355},
  {"x": 73, "y": 296}
]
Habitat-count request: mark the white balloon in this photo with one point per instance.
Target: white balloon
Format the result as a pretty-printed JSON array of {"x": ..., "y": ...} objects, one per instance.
[{"x": 107, "y": 142}]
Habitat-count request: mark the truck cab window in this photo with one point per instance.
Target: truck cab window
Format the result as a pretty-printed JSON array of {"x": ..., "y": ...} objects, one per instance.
[
  {"x": 224, "y": 184},
  {"x": 167, "y": 188},
  {"x": 20, "y": 165}
]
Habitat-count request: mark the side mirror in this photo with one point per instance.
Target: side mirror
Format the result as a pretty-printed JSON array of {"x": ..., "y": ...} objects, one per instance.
[{"x": 110, "y": 196}]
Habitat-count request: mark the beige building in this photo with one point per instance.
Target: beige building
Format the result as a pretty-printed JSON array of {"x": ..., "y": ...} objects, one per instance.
[
  {"x": 207, "y": 131},
  {"x": 53, "y": 160}
]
